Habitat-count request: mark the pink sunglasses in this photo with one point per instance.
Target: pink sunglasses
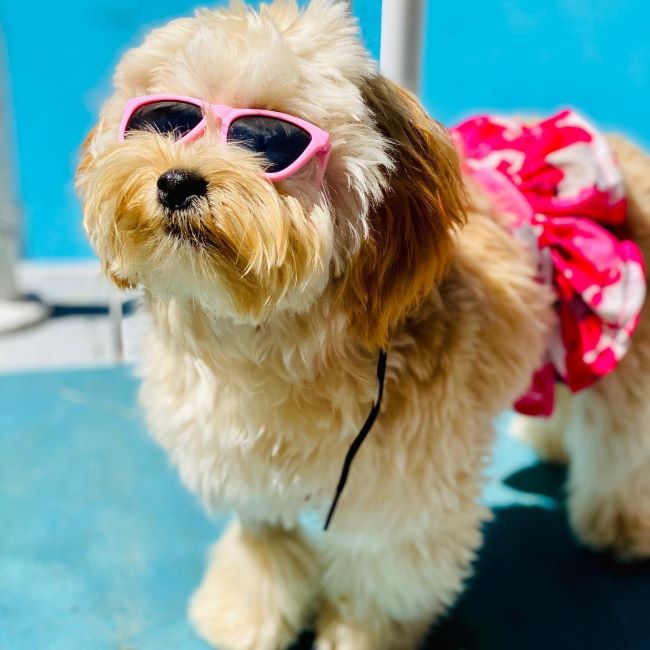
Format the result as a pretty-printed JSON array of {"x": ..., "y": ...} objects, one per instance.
[{"x": 287, "y": 143}]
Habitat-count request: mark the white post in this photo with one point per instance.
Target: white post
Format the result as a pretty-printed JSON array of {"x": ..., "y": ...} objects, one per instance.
[
  {"x": 8, "y": 208},
  {"x": 14, "y": 313},
  {"x": 401, "y": 42}
]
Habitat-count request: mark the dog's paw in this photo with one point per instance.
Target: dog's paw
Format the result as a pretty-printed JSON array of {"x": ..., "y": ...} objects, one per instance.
[
  {"x": 613, "y": 523},
  {"x": 256, "y": 593},
  {"x": 342, "y": 635},
  {"x": 336, "y": 633},
  {"x": 225, "y": 618}
]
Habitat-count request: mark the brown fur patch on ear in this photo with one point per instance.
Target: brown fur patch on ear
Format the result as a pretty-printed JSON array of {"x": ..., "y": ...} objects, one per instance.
[{"x": 412, "y": 230}]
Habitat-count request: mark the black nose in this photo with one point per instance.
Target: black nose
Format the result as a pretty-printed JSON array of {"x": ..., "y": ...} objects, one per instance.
[{"x": 177, "y": 187}]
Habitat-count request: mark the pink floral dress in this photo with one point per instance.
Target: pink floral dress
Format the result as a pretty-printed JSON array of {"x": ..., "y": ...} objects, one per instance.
[{"x": 559, "y": 181}]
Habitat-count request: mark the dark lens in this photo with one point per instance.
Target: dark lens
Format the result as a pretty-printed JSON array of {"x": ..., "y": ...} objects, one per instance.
[
  {"x": 280, "y": 142},
  {"x": 175, "y": 118}
]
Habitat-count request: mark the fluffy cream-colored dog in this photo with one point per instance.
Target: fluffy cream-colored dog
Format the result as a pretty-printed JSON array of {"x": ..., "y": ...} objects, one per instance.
[{"x": 271, "y": 302}]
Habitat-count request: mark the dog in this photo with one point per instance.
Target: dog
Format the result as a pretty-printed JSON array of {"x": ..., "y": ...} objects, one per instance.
[{"x": 323, "y": 266}]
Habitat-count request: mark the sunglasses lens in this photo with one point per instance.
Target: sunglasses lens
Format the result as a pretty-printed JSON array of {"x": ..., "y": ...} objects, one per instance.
[
  {"x": 168, "y": 117},
  {"x": 281, "y": 143}
]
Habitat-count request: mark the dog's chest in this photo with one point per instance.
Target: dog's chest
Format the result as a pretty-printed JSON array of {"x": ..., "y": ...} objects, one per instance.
[{"x": 271, "y": 461}]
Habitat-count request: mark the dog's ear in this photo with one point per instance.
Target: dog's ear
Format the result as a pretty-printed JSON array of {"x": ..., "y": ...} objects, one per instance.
[
  {"x": 411, "y": 232},
  {"x": 85, "y": 160}
]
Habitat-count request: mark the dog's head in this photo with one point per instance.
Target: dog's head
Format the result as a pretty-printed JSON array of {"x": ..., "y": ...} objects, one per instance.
[{"x": 373, "y": 235}]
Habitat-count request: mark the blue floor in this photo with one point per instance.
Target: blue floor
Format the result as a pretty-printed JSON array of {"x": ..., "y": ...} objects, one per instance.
[{"x": 100, "y": 546}]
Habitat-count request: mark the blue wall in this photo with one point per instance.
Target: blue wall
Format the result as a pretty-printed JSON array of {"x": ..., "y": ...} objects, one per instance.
[
  {"x": 538, "y": 55},
  {"x": 508, "y": 55}
]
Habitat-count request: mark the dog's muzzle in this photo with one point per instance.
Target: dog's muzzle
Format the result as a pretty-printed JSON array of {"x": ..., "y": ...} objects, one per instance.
[{"x": 177, "y": 188}]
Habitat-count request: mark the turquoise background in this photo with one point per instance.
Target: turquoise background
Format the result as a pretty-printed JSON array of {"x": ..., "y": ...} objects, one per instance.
[
  {"x": 502, "y": 54},
  {"x": 539, "y": 55}
]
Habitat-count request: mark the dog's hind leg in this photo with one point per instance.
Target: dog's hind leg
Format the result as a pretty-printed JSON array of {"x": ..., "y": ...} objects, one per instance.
[
  {"x": 258, "y": 591},
  {"x": 609, "y": 481},
  {"x": 546, "y": 435},
  {"x": 609, "y": 434}
]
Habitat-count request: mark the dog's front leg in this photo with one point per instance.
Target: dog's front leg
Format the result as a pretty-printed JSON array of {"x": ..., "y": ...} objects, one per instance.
[
  {"x": 385, "y": 596},
  {"x": 259, "y": 589}
]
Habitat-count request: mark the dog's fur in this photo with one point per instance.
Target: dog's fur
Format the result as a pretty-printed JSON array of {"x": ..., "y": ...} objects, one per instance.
[{"x": 269, "y": 311}]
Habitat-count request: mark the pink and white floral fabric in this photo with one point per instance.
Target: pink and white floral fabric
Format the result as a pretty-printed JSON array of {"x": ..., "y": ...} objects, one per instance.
[{"x": 559, "y": 181}]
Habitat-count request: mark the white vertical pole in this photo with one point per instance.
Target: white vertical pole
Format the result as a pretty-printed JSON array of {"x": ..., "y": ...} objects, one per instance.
[
  {"x": 8, "y": 207},
  {"x": 401, "y": 42},
  {"x": 14, "y": 313}
]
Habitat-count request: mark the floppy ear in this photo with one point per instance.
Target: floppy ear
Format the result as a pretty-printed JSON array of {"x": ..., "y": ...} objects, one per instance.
[
  {"x": 85, "y": 159},
  {"x": 411, "y": 232}
]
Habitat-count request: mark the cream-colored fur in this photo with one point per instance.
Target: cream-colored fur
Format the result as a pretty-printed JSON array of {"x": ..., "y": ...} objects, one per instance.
[{"x": 257, "y": 379}]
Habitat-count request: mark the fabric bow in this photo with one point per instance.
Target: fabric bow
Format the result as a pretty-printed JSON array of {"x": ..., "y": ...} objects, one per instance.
[{"x": 559, "y": 181}]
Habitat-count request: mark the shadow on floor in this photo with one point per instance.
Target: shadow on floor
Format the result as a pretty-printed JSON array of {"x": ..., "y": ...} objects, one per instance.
[
  {"x": 535, "y": 588},
  {"x": 542, "y": 479}
]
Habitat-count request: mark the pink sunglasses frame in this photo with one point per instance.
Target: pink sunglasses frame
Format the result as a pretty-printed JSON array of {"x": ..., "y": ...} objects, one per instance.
[{"x": 320, "y": 146}]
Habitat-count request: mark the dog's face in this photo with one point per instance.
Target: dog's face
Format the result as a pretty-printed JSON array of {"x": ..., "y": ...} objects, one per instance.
[{"x": 374, "y": 235}]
